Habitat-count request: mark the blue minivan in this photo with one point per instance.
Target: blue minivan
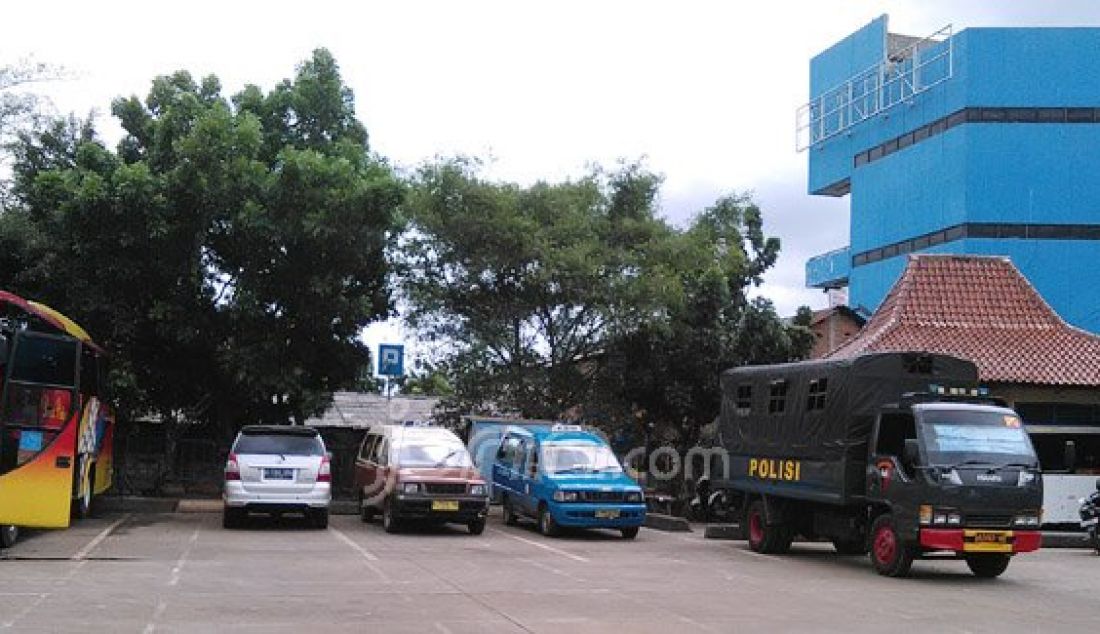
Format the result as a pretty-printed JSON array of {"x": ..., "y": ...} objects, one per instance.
[{"x": 565, "y": 477}]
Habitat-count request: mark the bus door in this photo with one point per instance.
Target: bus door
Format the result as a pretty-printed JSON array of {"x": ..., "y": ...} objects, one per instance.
[{"x": 38, "y": 431}]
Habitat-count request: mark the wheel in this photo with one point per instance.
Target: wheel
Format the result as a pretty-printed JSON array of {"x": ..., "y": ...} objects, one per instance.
[
  {"x": 318, "y": 518},
  {"x": 477, "y": 526},
  {"x": 232, "y": 518},
  {"x": 771, "y": 540},
  {"x": 852, "y": 546},
  {"x": 889, "y": 555},
  {"x": 547, "y": 525},
  {"x": 988, "y": 565},
  {"x": 390, "y": 524},
  {"x": 510, "y": 518},
  {"x": 8, "y": 535},
  {"x": 629, "y": 532}
]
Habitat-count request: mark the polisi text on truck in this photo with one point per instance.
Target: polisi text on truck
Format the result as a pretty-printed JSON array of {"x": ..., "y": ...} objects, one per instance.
[{"x": 775, "y": 469}]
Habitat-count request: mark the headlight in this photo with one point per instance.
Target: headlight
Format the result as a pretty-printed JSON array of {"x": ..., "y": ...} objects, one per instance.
[
  {"x": 1026, "y": 478},
  {"x": 633, "y": 496},
  {"x": 1028, "y": 520},
  {"x": 931, "y": 516},
  {"x": 410, "y": 487},
  {"x": 477, "y": 489},
  {"x": 565, "y": 496}
]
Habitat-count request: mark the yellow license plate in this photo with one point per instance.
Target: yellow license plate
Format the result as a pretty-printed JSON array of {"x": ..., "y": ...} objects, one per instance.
[
  {"x": 987, "y": 541},
  {"x": 444, "y": 505},
  {"x": 607, "y": 514}
]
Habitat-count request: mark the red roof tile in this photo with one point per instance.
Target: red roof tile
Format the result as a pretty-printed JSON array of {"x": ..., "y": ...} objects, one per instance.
[{"x": 979, "y": 308}]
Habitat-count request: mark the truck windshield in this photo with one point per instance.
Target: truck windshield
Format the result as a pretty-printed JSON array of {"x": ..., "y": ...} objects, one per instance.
[
  {"x": 578, "y": 458},
  {"x": 433, "y": 454},
  {"x": 975, "y": 437}
]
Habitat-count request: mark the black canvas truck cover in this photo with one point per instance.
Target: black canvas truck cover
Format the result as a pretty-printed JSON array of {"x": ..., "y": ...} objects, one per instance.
[{"x": 801, "y": 429}]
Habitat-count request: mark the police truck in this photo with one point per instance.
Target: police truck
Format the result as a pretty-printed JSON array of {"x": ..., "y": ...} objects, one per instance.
[{"x": 901, "y": 455}]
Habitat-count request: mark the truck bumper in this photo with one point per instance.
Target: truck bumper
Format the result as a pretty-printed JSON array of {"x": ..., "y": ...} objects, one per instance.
[
  {"x": 459, "y": 510},
  {"x": 585, "y": 515},
  {"x": 965, "y": 540}
]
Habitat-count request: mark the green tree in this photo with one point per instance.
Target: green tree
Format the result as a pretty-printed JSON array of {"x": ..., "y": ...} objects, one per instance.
[
  {"x": 662, "y": 379},
  {"x": 228, "y": 253},
  {"x": 526, "y": 283}
]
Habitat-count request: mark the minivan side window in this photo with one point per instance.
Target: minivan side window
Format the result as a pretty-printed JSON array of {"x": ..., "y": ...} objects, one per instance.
[
  {"x": 366, "y": 452},
  {"x": 381, "y": 453},
  {"x": 509, "y": 448}
]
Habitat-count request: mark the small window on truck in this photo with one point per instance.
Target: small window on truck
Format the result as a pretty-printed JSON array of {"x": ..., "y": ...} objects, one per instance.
[
  {"x": 743, "y": 404},
  {"x": 777, "y": 400},
  {"x": 816, "y": 398}
]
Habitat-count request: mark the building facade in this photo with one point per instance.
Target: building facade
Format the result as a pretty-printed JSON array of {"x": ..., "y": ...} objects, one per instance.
[{"x": 979, "y": 142}]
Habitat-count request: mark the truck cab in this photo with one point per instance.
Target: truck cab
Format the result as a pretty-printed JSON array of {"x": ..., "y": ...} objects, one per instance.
[
  {"x": 565, "y": 477},
  {"x": 951, "y": 478}
]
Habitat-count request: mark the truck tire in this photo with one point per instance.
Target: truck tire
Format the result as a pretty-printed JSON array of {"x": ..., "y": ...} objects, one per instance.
[
  {"x": 390, "y": 523},
  {"x": 890, "y": 556},
  {"x": 988, "y": 565},
  {"x": 509, "y": 512},
  {"x": 476, "y": 527},
  {"x": 547, "y": 525},
  {"x": 767, "y": 539}
]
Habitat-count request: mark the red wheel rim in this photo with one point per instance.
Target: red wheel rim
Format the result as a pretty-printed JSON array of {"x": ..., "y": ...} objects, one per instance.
[
  {"x": 886, "y": 545},
  {"x": 756, "y": 528}
]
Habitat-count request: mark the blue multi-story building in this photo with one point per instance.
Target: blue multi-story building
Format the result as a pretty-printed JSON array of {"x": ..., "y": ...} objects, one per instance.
[{"x": 985, "y": 141}]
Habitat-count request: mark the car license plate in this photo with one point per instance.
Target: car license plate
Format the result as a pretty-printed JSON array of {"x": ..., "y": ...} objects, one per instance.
[
  {"x": 987, "y": 541},
  {"x": 278, "y": 474},
  {"x": 444, "y": 505},
  {"x": 607, "y": 514}
]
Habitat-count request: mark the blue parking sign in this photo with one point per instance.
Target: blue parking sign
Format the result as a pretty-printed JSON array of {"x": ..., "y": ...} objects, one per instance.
[{"x": 391, "y": 359}]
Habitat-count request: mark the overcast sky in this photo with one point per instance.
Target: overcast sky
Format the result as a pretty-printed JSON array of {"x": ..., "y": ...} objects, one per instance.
[{"x": 705, "y": 91}]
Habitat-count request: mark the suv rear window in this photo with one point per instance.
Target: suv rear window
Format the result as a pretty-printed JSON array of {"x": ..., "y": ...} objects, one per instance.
[{"x": 279, "y": 444}]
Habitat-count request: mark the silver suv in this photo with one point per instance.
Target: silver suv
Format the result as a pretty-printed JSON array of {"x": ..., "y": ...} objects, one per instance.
[{"x": 275, "y": 470}]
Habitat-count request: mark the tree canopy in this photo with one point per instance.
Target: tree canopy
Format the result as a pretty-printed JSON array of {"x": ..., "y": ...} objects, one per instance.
[
  {"x": 228, "y": 252},
  {"x": 578, "y": 298}
]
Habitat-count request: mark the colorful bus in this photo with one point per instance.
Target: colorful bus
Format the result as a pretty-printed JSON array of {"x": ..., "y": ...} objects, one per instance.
[{"x": 56, "y": 429}]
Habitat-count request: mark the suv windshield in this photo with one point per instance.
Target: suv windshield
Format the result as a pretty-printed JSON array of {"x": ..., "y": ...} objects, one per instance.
[
  {"x": 975, "y": 437},
  {"x": 426, "y": 454},
  {"x": 578, "y": 458},
  {"x": 279, "y": 444}
]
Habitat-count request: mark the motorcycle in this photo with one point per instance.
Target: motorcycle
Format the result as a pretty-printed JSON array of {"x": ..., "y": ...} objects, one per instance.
[
  {"x": 708, "y": 505},
  {"x": 1090, "y": 518}
]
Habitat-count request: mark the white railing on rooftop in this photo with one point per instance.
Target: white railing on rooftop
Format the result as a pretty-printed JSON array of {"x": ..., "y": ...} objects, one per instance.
[{"x": 896, "y": 79}]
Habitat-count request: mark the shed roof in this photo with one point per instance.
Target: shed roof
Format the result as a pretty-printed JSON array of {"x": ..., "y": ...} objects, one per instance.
[{"x": 983, "y": 309}]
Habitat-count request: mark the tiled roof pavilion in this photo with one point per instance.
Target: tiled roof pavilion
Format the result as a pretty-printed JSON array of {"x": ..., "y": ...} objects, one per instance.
[{"x": 980, "y": 308}]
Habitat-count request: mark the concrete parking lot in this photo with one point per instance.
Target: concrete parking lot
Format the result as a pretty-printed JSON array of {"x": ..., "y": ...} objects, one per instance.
[{"x": 181, "y": 572}]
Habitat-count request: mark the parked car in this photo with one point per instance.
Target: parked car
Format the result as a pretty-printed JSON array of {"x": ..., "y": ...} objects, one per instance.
[
  {"x": 277, "y": 469},
  {"x": 419, "y": 472},
  {"x": 565, "y": 477}
]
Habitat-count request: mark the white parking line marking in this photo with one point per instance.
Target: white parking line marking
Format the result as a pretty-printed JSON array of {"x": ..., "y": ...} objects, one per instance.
[
  {"x": 557, "y": 551},
  {"x": 82, "y": 554},
  {"x": 150, "y": 627},
  {"x": 15, "y": 619},
  {"x": 367, "y": 555},
  {"x": 183, "y": 558}
]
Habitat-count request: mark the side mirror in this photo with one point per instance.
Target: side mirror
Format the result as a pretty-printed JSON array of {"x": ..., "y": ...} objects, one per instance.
[
  {"x": 1070, "y": 456},
  {"x": 328, "y": 454},
  {"x": 910, "y": 454}
]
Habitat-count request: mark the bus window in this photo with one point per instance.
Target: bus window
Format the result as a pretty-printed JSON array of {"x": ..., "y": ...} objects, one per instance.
[{"x": 44, "y": 361}]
